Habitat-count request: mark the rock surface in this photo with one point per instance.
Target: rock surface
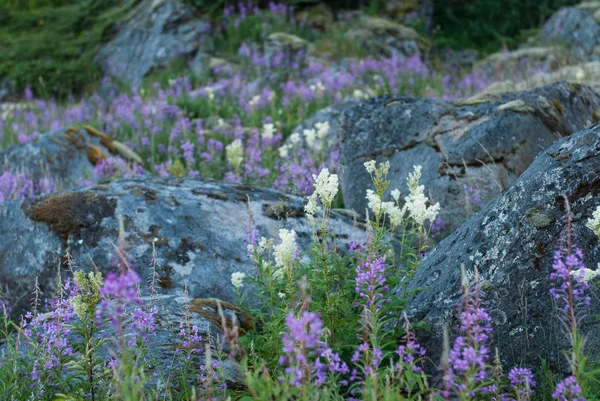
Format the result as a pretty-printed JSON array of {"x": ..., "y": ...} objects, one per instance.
[
  {"x": 486, "y": 145},
  {"x": 585, "y": 74},
  {"x": 330, "y": 115},
  {"x": 385, "y": 38},
  {"x": 151, "y": 36},
  {"x": 66, "y": 156},
  {"x": 578, "y": 28},
  {"x": 511, "y": 241},
  {"x": 522, "y": 62},
  {"x": 197, "y": 228}
]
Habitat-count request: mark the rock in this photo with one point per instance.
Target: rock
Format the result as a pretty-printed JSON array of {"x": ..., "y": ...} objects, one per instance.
[
  {"x": 412, "y": 13},
  {"x": 155, "y": 33},
  {"x": 205, "y": 63},
  {"x": 511, "y": 241},
  {"x": 577, "y": 28},
  {"x": 486, "y": 145},
  {"x": 520, "y": 63},
  {"x": 585, "y": 73},
  {"x": 197, "y": 229},
  {"x": 384, "y": 38},
  {"x": 66, "y": 156},
  {"x": 463, "y": 59},
  {"x": 331, "y": 116},
  {"x": 283, "y": 48}
]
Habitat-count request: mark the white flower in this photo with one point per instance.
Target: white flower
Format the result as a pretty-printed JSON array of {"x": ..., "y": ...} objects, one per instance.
[
  {"x": 254, "y": 101},
  {"x": 322, "y": 129},
  {"x": 396, "y": 194},
  {"x": 414, "y": 178},
  {"x": 235, "y": 153},
  {"x": 281, "y": 295},
  {"x": 268, "y": 131},
  {"x": 310, "y": 135},
  {"x": 210, "y": 92},
  {"x": 278, "y": 274},
  {"x": 295, "y": 138},
  {"x": 326, "y": 186},
  {"x": 284, "y": 151},
  {"x": 237, "y": 279},
  {"x": 370, "y": 166},
  {"x": 588, "y": 274},
  {"x": 385, "y": 167},
  {"x": 594, "y": 223},
  {"x": 311, "y": 207},
  {"x": 285, "y": 253},
  {"x": 378, "y": 207},
  {"x": 318, "y": 87}
]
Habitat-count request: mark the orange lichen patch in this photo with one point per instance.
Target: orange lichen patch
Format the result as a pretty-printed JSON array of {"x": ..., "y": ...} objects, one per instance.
[
  {"x": 150, "y": 195},
  {"x": 95, "y": 155},
  {"x": 75, "y": 137},
  {"x": 114, "y": 147},
  {"x": 70, "y": 212},
  {"x": 105, "y": 140},
  {"x": 209, "y": 309}
]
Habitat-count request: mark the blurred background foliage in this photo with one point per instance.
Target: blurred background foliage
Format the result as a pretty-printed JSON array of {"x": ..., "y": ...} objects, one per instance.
[{"x": 49, "y": 44}]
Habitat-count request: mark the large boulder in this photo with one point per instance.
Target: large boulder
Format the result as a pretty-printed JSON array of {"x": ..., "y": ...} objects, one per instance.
[
  {"x": 154, "y": 34},
  {"x": 511, "y": 241},
  {"x": 576, "y": 27},
  {"x": 330, "y": 115},
  {"x": 486, "y": 145},
  {"x": 197, "y": 228},
  {"x": 67, "y": 157},
  {"x": 382, "y": 37},
  {"x": 584, "y": 73},
  {"x": 522, "y": 62}
]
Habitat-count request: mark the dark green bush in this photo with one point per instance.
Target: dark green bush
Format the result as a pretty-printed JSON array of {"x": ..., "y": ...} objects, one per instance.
[
  {"x": 488, "y": 24},
  {"x": 49, "y": 45}
]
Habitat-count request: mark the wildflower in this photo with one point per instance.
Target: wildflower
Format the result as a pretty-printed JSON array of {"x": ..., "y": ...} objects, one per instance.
[
  {"x": 594, "y": 223},
  {"x": 370, "y": 166},
  {"x": 322, "y": 130},
  {"x": 326, "y": 186},
  {"x": 235, "y": 154},
  {"x": 237, "y": 279},
  {"x": 295, "y": 138},
  {"x": 569, "y": 272},
  {"x": 396, "y": 194},
  {"x": 284, "y": 151},
  {"x": 310, "y": 135},
  {"x": 522, "y": 382},
  {"x": 416, "y": 201},
  {"x": 568, "y": 390},
  {"x": 304, "y": 351},
  {"x": 268, "y": 131},
  {"x": 285, "y": 253}
]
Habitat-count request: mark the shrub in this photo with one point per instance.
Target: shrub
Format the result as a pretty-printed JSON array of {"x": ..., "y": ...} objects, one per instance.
[{"x": 488, "y": 24}]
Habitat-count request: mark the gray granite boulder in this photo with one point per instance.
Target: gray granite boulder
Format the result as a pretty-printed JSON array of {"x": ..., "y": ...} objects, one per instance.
[
  {"x": 154, "y": 34},
  {"x": 578, "y": 28},
  {"x": 330, "y": 115},
  {"x": 65, "y": 156},
  {"x": 512, "y": 241},
  {"x": 197, "y": 228},
  {"x": 485, "y": 144}
]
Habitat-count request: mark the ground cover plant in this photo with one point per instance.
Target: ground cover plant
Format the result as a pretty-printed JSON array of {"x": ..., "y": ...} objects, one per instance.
[
  {"x": 328, "y": 325},
  {"x": 322, "y": 335}
]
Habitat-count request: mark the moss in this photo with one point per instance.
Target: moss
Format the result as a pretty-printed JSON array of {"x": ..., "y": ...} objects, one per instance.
[
  {"x": 557, "y": 106},
  {"x": 537, "y": 219},
  {"x": 209, "y": 309},
  {"x": 150, "y": 195},
  {"x": 70, "y": 213}
]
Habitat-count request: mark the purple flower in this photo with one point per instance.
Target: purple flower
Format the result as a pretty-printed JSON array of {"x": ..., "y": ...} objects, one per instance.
[
  {"x": 568, "y": 390},
  {"x": 305, "y": 355}
]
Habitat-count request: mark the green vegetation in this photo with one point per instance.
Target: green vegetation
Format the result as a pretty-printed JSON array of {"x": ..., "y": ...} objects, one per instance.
[
  {"x": 489, "y": 24},
  {"x": 50, "y": 45}
]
